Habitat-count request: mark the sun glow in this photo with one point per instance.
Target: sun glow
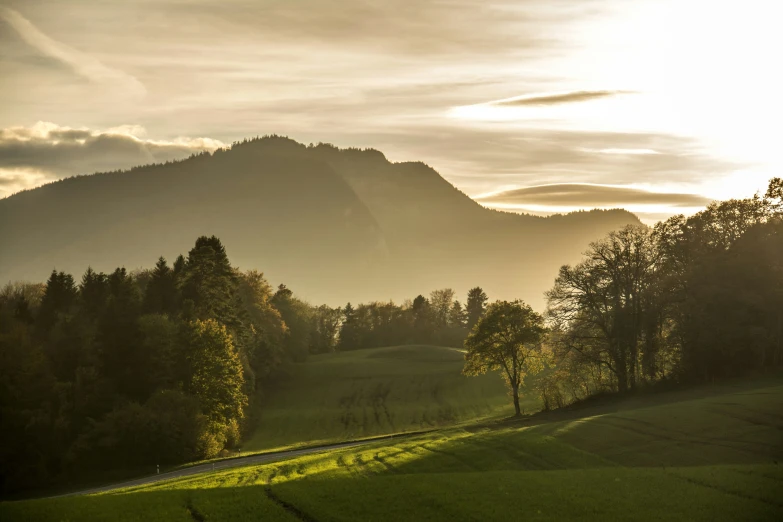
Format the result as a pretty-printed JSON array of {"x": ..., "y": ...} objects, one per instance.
[{"x": 693, "y": 68}]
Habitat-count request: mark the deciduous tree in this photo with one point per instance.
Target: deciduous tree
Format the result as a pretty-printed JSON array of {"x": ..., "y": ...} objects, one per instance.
[
  {"x": 216, "y": 376},
  {"x": 507, "y": 338},
  {"x": 608, "y": 294}
]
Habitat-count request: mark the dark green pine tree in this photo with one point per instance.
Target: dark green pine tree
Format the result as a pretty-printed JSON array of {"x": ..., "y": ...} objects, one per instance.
[
  {"x": 179, "y": 266},
  {"x": 349, "y": 333},
  {"x": 93, "y": 292},
  {"x": 476, "y": 306},
  {"x": 297, "y": 316},
  {"x": 59, "y": 298},
  {"x": 209, "y": 282},
  {"x": 457, "y": 315},
  {"x": 162, "y": 296},
  {"x": 423, "y": 325},
  {"x": 119, "y": 338}
]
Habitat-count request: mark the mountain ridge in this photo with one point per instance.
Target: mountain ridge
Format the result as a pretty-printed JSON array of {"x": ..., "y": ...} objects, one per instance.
[{"x": 335, "y": 224}]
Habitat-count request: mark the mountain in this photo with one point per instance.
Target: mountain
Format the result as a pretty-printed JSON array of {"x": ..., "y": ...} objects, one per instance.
[{"x": 333, "y": 224}]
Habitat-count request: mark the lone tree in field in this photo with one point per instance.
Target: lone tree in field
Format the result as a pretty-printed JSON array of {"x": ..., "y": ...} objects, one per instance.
[{"x": 508, "y": 337}]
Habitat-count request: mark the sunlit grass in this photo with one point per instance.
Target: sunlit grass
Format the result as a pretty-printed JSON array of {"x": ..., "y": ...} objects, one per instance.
[{"x": 692, "y": 456}]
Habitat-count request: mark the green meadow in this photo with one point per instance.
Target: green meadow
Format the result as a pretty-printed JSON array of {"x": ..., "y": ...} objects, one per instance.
[
  {"x": 704, "y": 454},
  {"x": 365, "y": 393}
]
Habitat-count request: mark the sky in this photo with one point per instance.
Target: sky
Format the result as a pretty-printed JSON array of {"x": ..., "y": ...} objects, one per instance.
[{"x": 538, "y": 106}]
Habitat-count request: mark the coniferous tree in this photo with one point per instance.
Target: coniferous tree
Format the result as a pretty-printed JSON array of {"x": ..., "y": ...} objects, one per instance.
[
  {"x": 59, "y": 297},
  {"x": 160, "y": 345},
  {"x": 349, "y": 333},
  {"x": 422, "y": 320},
  {"x": 209, "y": 282},
  {"x": 297, "y": 316},
  {"x": 457, "y": 316},
  {"x": 475, "y": 306},
  {"x": 28, "y": 407},
  {"x": 118, "y": 337},
  {"x": 162, "y": 296},
  {"x": 179, "y": 266},
  {"x": 93, "y": 291}
]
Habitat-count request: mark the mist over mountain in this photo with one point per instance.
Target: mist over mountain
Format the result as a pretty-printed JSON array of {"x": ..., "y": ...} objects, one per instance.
[{"x": 335, "y": 225}]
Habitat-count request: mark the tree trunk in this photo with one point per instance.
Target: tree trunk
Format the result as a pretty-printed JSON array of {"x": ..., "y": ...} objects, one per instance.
[
  {"x": 778, "y": 356},
  {"x": 515, "y": 393},
  {"x": 622, "y": 375}
]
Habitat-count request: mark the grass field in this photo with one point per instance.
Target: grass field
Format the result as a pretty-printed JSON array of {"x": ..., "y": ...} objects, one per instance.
[
  {"x": 708, "y": 454},
  {"x": 349, "y": 395}
]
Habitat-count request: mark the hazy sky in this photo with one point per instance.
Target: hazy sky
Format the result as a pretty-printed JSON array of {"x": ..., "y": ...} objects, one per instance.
[{"x": 680, "y": 97}]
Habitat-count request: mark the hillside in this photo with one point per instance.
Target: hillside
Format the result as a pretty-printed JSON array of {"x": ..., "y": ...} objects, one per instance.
[
  {"x": 333, "y": 224},
  {"x": 706, "y": 454},
  {"x": 363, "y": 393}
]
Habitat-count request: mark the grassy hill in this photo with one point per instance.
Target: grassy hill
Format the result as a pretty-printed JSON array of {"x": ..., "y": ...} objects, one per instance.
[
  {"x": 707, "y": 454},
  {"x": 374, "y": 392}
]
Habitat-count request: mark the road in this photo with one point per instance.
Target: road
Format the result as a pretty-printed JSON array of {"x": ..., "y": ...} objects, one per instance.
[{"x": 218, "y": 465}]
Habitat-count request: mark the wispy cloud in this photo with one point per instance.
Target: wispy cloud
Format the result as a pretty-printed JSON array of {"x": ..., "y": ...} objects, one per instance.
[
  {"x": 588, "y": 196},
  {"x": 624, "y": 151},
  {"x": 557, "y": 98},
  {"x": 82, "y": 63}
]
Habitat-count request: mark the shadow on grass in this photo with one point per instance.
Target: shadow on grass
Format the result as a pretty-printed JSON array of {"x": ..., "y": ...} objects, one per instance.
[
  {"x": 709, "y": 493},
  {"x": 581, "y": 494},
  {"x": 613, "y": 402},
  {"x": 230, "y": 503}
]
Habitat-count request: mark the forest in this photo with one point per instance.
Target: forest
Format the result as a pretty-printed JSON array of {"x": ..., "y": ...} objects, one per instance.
[
  {"x": 159, "y": 366},
  {"x": 163, "y": 365}
]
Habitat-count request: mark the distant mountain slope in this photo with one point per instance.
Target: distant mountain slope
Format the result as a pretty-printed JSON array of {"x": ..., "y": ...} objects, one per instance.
[{"x": 334, "y": 224}]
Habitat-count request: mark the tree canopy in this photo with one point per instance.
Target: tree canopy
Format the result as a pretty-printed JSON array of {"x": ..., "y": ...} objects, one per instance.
[
  {"x": 507, "y": 338},
  {"x": 692, "y": 299}
]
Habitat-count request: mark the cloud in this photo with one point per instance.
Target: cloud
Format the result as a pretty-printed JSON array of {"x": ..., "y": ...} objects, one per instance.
[
  {"x": 45, "y": 151},
  {"x": 416, "y": 28},
  {"x": 589, "y": 196},
  {"x": 624, "y": 151},
  {"x": 83, "y": 64},
  {"x": 11, "y": 179},
  {"x": 480, "y": 160},
  {"x": 15, "y": 180},
  {"x": 556, "y": 98}
]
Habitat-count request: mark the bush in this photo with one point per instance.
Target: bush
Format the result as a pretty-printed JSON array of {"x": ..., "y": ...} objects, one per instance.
[
  {"x": 233, "y": 434},
  {"x": 211, "y": 441},
  {"x": 168, "y": 429}
]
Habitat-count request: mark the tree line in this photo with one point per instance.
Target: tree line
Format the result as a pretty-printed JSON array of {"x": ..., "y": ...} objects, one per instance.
[
  {"x": 692, "y": 299},
  {"x": 164, "y": 366},
  {"x": 441, "y": 320}
]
